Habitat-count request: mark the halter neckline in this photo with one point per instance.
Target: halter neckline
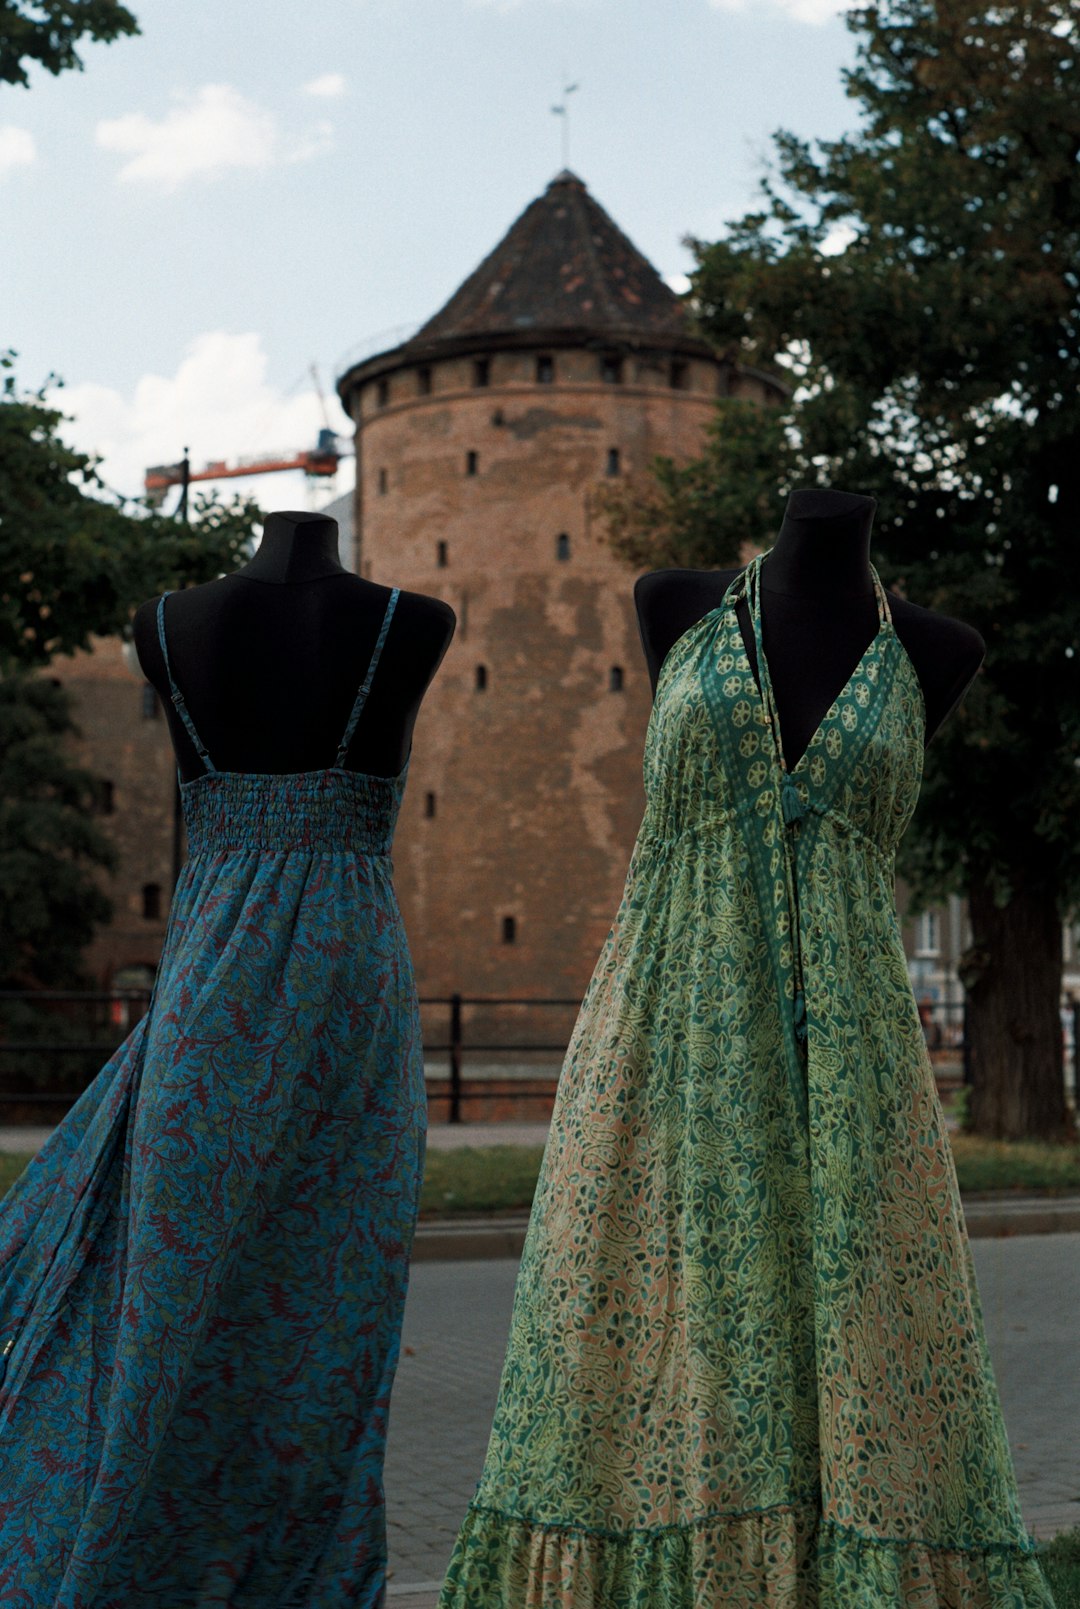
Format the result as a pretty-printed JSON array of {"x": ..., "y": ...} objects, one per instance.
[{"x": 751, "y": 586}]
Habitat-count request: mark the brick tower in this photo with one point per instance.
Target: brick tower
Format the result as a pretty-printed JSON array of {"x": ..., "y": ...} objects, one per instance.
[{"x": 562, "y": 360}]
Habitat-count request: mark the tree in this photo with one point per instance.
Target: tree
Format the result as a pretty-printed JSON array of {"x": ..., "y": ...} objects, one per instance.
[
  {"x": 72, "y": 567},
  {"x": 919, "y": 281},
  {"x": 48, "y": 31},
  {"x": 49, "y": 844},
  {"x": 700, "y": 513}
]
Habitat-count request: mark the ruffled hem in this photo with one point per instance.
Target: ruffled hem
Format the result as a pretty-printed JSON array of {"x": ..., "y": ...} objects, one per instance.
[{"x": 779, "y": 1558}]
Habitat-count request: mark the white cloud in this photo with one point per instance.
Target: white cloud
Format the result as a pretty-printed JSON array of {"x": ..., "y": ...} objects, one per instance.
[
  {"x": 814, "y": 12},
  {"x": 329, "y": 84},
  {"x": 205, "y": 133},
  {"x": 838, "y": 239},
  {"x": 679, "y": 283},
  {"x": 218, "y": 404},
  {"x": 17, "y": 148}
]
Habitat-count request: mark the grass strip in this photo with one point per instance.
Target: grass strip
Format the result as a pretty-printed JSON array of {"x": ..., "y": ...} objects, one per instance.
[{"x": 502, "y": 1178}]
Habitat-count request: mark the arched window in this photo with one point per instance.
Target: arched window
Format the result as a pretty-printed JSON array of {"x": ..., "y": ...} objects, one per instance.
[
  {"x": 509, "y": 930},
  {"x": 613, "y": 461},
  {"x": 615, "y": 680},
  {"x": 562, "y": 546},
  {"x": 481, "y": 678}
]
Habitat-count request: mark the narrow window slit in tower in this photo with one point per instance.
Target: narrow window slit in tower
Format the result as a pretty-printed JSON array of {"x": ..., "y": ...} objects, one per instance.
[
  {"x": 472, "y": 462},
  {"x": 440, "y": 555},
  {"x": 481, "y": 678},
  {"x": 615, "y": 681},
  {"x": 509, "y": 929},
  {"x": 562, "y": 546}
]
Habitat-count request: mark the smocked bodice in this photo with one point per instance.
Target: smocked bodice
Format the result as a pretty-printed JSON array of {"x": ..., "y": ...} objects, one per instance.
[{"x": 332, "y": 811}]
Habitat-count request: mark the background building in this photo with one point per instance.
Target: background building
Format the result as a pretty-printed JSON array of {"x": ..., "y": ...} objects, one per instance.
[
  {"x": 123, "y": 738},
  {"x": 562, "y": 362}
]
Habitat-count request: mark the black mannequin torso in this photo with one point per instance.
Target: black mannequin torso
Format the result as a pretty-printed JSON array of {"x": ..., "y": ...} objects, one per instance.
[
  {"x": 270, "y": 659},
  {"x": 818, "y": 615}
]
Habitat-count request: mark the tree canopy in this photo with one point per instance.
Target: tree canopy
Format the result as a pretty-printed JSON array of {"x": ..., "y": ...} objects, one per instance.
[
  {"x": 917, "y": 282},
  {"x": 47, "y": 31},
  {"x": 74, "y": 565}
]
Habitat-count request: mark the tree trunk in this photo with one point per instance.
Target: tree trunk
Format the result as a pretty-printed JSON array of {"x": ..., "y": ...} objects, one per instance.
[{"x": 1012, "y": 975}]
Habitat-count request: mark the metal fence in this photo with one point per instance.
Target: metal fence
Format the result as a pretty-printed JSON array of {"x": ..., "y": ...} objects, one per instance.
[{"x": 498, "y": 1049}]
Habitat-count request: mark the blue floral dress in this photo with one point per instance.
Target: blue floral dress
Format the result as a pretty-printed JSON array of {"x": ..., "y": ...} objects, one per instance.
[{"x": 203, "y": 1272}]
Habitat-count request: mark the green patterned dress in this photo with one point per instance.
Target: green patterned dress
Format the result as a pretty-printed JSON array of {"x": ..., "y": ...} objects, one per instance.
[{"x": 747, "y": 1363}]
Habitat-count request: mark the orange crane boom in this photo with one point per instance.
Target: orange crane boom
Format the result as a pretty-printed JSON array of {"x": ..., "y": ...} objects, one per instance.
[{"x": 320, "y": 460}]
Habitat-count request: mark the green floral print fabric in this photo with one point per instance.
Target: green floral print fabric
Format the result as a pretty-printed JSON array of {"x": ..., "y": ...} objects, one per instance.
[{"x": 747, "y": 1363}]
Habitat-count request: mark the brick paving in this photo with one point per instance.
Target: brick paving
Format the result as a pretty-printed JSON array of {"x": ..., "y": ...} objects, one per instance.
[{"x": 456, "y": 1322}]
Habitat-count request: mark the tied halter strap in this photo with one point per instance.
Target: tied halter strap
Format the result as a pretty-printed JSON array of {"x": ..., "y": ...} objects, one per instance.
[{"x": 358, "y": 703}]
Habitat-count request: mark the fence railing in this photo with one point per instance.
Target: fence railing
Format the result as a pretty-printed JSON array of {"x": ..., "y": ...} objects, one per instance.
[{"x": 49, "y": 1031}]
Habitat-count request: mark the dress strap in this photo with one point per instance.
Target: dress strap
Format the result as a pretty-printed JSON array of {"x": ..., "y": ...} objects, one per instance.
[
  {"x": 177, "y": 695},
  {"x": 883, "y": 600},
  {"x": 361, "y": 697}
]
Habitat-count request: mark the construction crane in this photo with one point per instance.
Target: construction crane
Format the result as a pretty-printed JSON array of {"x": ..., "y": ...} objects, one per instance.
[{"x": 321, "y": 460}]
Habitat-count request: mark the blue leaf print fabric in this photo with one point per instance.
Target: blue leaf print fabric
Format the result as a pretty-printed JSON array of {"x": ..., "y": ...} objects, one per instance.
[{"x": 203, "y": 1272}]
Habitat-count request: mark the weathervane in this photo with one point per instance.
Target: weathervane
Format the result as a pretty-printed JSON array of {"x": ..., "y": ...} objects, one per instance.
[{"x": 563, "y": 111}]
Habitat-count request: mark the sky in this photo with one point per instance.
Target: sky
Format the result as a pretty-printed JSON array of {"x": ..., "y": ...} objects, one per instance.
[{"x": 211, "y": 208}]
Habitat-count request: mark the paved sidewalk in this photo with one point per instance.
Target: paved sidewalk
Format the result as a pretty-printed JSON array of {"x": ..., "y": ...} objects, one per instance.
[
  {"x": 457, "y": 1318},
  {"x": 455, "y": 1136}
]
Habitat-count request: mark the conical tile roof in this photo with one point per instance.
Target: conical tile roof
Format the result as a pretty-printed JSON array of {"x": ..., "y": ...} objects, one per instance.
[{"x": 564, "y": 265}]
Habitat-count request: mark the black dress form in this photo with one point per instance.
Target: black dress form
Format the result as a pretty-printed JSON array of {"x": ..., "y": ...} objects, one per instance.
[
  {"x": 818, "y": 615},
  {"x": 270, "y": 658}
]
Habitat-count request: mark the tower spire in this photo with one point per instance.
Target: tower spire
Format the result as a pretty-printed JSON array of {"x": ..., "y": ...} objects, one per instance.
[{"x": 562, "y": 110}]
